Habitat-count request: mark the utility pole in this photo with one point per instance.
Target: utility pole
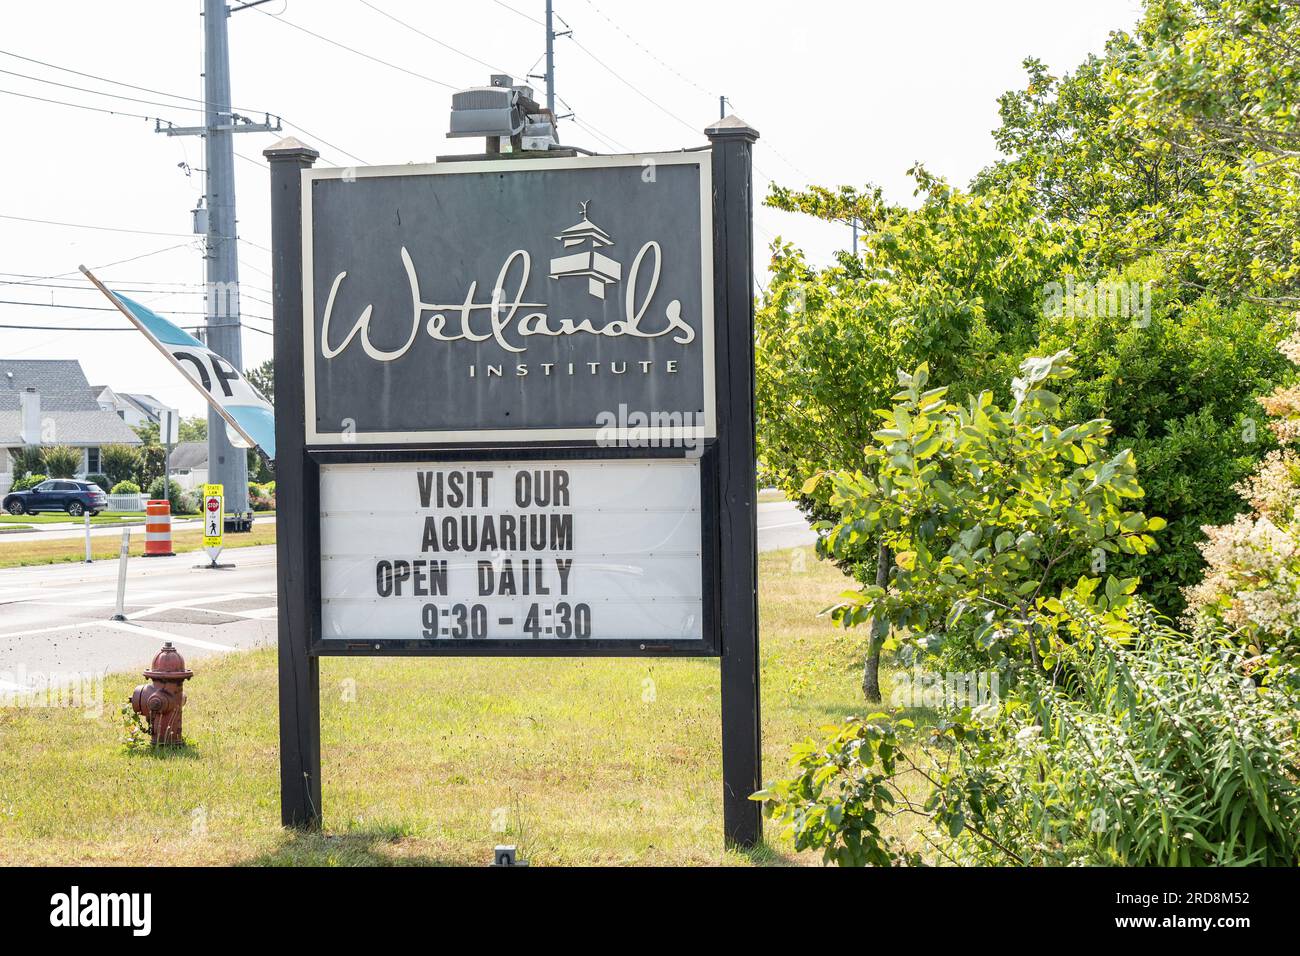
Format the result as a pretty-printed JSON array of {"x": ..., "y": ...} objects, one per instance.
[
  {"x": 549, "y": 75},
  {"x": 550, "y": 57},
  {"x": 722, "y": 107},
  {"x": 227, "y": 465}
]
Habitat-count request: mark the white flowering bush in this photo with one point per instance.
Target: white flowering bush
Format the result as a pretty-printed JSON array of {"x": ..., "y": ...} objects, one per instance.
[{"x": 1252, "y": 582}]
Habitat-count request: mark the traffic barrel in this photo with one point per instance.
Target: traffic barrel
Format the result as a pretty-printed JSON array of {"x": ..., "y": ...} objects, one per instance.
[{"x": 158, "y": 529}]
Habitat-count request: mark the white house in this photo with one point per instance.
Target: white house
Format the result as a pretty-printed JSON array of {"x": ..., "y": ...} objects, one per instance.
[
  {"x": 49, "y": 402},
  {"x": 132, "y": 408}
]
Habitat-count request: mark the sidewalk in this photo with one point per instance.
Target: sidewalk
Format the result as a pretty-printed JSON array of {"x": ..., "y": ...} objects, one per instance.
[{"x": 77, "y": 529}]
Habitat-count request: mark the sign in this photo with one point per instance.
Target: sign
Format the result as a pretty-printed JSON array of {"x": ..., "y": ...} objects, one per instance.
[
  {"x": 473, "y": 551},
  {"x": 542, "y": 299},
  {"x": 169, "y": 426},
  {"x": 510, "y": 424},
  {"x": 214, "y": 524},
  {"x": 249, "y": 418}
]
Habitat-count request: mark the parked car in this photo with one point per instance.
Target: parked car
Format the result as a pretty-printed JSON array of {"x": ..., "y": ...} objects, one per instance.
[{"x": 58, "y": 494}]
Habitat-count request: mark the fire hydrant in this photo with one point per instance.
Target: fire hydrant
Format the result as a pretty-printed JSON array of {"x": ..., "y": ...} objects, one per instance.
[{"x": 163, "y": 698}]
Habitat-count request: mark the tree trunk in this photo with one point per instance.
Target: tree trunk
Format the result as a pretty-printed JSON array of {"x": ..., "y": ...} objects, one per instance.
[{"x": 879, "y": 629}]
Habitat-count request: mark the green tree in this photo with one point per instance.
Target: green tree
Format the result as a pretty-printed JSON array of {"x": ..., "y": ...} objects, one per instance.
[
  {"x": 262, "y": 378},
  {"x": 979, "y": 506},
  {"x": 119, "y": 462},
  {"x": 193, "y": 429},
  {"x": 61, "y": 461},
  {"x": 1220, "y": 80},
  {"x": 958, "y": 280}
]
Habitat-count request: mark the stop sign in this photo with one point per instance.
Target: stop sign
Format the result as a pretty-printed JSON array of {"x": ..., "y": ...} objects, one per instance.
[{"x": 213, "y": 504}]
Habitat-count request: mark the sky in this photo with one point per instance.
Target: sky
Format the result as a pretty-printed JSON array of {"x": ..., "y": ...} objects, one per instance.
[{"x": 840, "y": 92}]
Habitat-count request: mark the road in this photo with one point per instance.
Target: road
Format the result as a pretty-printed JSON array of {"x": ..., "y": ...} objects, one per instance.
[
  {"x": 54, "y": 619},
  {"x": 68, "y": 529}
]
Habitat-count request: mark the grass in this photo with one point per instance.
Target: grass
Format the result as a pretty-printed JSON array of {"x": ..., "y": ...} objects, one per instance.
[
  {"x": 597, "y": 761},
  {"x": 770, "y": 494},
  {"x": 60, "y": 517},
  {"x": 14, "y": 554}
]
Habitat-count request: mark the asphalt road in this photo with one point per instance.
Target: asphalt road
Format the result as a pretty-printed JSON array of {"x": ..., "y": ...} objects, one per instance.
[{"x": 54, "y": 619}]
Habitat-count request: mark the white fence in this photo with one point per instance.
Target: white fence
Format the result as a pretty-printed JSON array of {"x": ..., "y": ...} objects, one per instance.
[{"x": 127, "y": 502}]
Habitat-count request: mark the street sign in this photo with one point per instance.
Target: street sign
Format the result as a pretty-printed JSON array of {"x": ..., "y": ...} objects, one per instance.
[
  {"x": 214, "y": 524},
  {"x": 169, "y": 426}
]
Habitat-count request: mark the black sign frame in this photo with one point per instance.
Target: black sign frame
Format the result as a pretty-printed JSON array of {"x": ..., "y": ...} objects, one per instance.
[{"x": 730, "y": 490}]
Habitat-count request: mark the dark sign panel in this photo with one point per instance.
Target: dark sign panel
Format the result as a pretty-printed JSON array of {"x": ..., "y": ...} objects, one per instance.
[{"x": 528, "y": 300}]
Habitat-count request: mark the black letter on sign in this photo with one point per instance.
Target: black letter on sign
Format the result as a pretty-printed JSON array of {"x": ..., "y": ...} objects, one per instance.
[
  {"x": 225, "y": 373},
  {"x": 198, "y": 366}
]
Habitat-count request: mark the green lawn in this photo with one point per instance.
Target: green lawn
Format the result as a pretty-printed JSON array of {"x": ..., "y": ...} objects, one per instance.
[
  {"x": 105, "y": 547},
  {"x": 58, "y": 517},
  {"x": 583, "y": 761}
]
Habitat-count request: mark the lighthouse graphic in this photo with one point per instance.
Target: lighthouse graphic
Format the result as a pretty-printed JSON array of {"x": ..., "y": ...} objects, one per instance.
[{"x": 599, "y": 268}]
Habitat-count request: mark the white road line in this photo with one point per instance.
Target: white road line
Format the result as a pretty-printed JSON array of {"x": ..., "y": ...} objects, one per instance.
[
  {"x": 185, "y": 602},
  {"x": 788, "y": 524},
  {"x": 166, "y": 636}
]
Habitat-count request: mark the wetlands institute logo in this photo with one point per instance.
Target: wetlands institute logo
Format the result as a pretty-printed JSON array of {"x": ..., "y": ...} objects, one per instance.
[{"x": 504, "y": 316}]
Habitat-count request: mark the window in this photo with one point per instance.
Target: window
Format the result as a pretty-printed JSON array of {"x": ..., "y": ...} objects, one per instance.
[{"x": 92, "y": 461}]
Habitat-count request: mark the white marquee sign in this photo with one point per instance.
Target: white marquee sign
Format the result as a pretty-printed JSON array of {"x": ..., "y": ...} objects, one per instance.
[{"x": 474, "y": 550}]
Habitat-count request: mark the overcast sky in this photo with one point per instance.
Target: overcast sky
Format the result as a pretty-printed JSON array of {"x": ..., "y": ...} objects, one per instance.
[{"x": 842, "y": 92}]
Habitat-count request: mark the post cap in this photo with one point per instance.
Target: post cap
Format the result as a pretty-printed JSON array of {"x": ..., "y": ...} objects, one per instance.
[
  {"x": 290, "y": 148},
  {"x": 731, "y": 126}
]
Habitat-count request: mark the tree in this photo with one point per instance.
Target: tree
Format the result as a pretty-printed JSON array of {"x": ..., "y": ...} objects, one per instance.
[
  {"x": 193, "y": 429},
  {"x": 979, "y": 505},
  {"x": 958, "y": 280},
  {"x": 262, "y": 378},
  {"x": 119, "y": 462},
  {"x": 61, "y": 461},
  {"x": 1220, "y": 79}
]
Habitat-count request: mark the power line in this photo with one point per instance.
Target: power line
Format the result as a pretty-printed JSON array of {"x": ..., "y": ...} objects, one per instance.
[
  {"x": 116, "y": 96},
  {"x": 105, "y": 79},
  {"x": 146, "y": 89},
  {"x": 83, "y": 225},
  {"x": 633, "y": 87},
  {"x": 519, "y": 13},
  {"x": 635, "y": 42},
  {"x": 354, "y": 50},
  {"x": 108, "y": 308},
  {"x": 104, "y": 265},
  {"x": 444, "y": 45},
  {"x": 80, "y": 106}
]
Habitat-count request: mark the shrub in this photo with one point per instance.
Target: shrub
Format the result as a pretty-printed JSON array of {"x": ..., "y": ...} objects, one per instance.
[
  {"x": 978, "y": 505},
  {"x": 1179, "y": 391},
  {"x": 61, "y": 461},
  {"x": 177, "y": 495},
  {"x": 99, "y": 479},
  {"x": 25, "y": 461},
  {"x": 125, "y": 488},
  {"x": 149, "y": 465},
  {"x": 120, "y": 462},
  {"x": 1252, "y": 579},
  {"x": 1159, "y": 754},
  {"x": 27, "y": 481}
]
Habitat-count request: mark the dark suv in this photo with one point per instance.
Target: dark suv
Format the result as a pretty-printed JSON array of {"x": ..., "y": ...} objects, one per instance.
[{"x": 58, "y": 494}]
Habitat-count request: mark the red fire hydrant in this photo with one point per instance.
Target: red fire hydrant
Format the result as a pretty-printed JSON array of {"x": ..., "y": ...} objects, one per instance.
[{"x": 163, "y": 698}]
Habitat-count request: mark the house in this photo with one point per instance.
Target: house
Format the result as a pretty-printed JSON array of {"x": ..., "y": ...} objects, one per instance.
[
  {"x": 49, "y": 402},
  {"x": 189, "y": 464},
  {"x": 134, "y": 409}
]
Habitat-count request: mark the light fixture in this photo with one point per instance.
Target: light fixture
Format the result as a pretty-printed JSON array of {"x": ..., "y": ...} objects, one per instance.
[{"x": 505, "y": 114}]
